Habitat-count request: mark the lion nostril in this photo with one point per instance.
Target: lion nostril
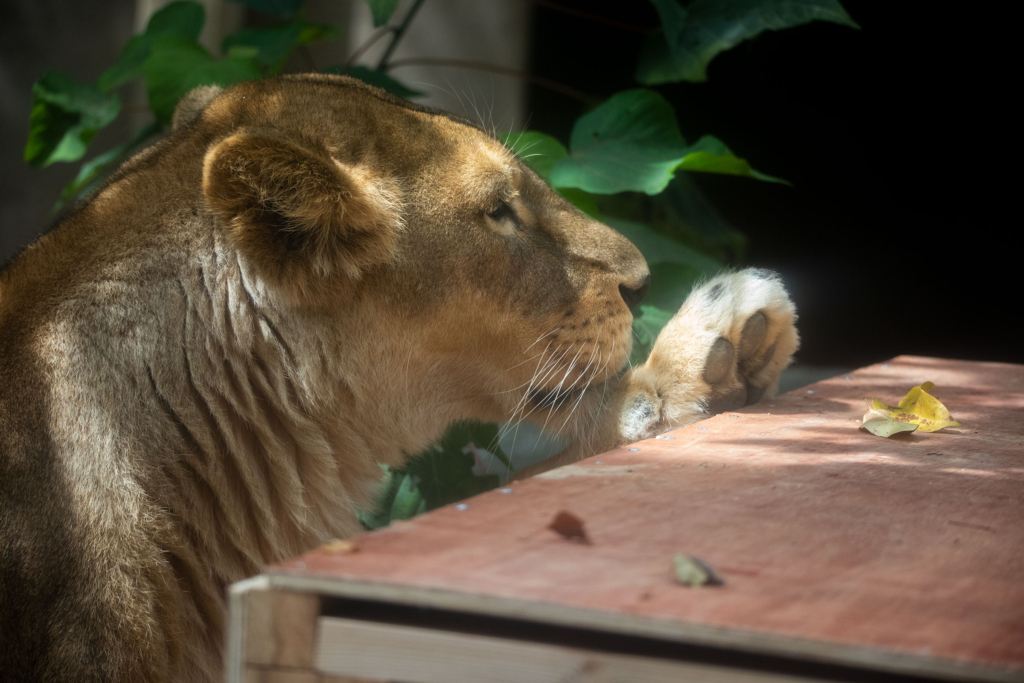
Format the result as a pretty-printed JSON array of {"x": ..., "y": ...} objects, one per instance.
[{"x": 634, "y": 295}]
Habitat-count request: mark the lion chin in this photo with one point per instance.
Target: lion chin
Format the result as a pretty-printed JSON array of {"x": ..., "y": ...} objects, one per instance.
[{"x": 203, "y": 365}]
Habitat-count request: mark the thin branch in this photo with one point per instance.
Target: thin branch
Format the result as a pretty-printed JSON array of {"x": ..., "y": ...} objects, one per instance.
[
  {"x": 368, "y": 43},
  {"x": 592, "y": 17},
  {"x": 382, "y": 65},
  {"x": 504, "y": 71}
]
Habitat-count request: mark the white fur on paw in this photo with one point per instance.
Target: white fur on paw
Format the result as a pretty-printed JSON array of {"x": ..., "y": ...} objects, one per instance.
[
  {"x": 725, "y": 348},
  {"x": 641, "y": 415}
]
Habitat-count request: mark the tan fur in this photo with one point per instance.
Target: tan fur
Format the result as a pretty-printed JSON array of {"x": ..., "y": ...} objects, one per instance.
[{"x": 201, "y": 368}]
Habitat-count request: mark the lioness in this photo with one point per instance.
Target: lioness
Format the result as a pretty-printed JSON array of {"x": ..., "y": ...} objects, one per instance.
[{"x": 201, "y": 367}]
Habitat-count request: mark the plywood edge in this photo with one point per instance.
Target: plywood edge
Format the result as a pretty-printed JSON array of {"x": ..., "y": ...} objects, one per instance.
[
  {"x": 664, "y": 629},
  {"x": 410, "y": 653}
]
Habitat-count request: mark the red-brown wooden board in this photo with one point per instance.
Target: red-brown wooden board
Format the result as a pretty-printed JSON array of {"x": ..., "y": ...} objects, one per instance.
[{"x": 834, "y": 544}]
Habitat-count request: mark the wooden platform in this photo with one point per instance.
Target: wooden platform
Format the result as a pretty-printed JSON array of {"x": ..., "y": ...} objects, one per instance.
[{"x": 845, "y": 557}]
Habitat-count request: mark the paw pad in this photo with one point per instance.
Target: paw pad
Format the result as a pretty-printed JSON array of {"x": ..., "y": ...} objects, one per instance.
[
  {"x": 720, "y": 361},
  {"x": 752, "y": 335},
  {"x": 729, "y": 369}
]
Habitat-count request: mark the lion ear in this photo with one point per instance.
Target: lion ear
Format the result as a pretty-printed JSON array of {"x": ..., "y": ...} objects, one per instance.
[
  {"x": 296, "y": 213},
  {"x": 191, "y": 106}
]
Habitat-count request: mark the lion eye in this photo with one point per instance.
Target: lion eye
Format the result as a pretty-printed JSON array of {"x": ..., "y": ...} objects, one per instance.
[{"x": 504, "y": 212}]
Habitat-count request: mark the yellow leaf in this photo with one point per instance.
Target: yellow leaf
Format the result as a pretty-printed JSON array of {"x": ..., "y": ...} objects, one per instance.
[{"x": 918, "y": 408}]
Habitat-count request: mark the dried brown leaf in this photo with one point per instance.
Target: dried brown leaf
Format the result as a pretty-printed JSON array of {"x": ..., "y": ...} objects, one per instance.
[{"x": 569, "y": 526}]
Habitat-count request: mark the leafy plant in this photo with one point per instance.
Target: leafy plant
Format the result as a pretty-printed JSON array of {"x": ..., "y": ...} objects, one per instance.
[
  {"x": 693, "y": 35},
  {"x": 65, "y": 117},
  {"x": 626, "y": 162},
  {"x": 447, "y": 472}
]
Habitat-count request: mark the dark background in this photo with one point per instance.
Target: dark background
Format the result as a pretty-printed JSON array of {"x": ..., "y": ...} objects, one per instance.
[{"x": 899, "y": 233}]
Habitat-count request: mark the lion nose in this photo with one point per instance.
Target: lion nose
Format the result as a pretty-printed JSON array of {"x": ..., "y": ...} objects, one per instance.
[{"x": 634, "y": 294}]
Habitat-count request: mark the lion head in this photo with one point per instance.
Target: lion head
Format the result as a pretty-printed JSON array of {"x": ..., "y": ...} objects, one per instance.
[{"x": 342, "y": 197}]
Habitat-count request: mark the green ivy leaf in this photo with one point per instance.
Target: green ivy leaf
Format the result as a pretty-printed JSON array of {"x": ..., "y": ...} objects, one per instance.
[
  {"x": 92, "y": 173},
  {"x": 710, "y": 155},
  {"x": 65, "y": 116},
  {"x": 631, "y": 142},
  {"x": 382, "y": 10},
  {"x": 650, "y": 322},
  {"x": 387, "y": 490},
  {"x": 175, "y": 66},
  {"x": 408, "y": 501},
  {"x": 274, "y": 45},
  {"x": 181, "y": 19},
  {"x": 438, "y": 476},
  {"x": 277, "y": 8},
  {"x": 445, "y": 471},
  {"x": 375, "y": 78},
  {"x": 692, "y": 36}
]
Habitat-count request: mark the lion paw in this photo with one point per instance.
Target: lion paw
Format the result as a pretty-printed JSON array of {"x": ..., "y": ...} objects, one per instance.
[{"x": 725, "y": 348}]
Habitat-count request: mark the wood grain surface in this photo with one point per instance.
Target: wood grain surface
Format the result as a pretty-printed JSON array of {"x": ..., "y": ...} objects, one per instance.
[{"x": 908, "y": 549}]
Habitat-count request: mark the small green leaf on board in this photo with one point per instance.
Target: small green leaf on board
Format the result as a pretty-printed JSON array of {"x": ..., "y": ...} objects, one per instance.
[{"x": 691, "y": 571}]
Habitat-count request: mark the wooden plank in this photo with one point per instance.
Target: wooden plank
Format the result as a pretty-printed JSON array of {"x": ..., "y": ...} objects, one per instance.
[
  {"x": 419, "y": 655},
  {"x": 235, "y": 670},
  {"x": 257, "y": 674},
  {"x": 902, "y": 554},
  {"x": 865, "y": 659},
  {"x": 281, "y": 628}
]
